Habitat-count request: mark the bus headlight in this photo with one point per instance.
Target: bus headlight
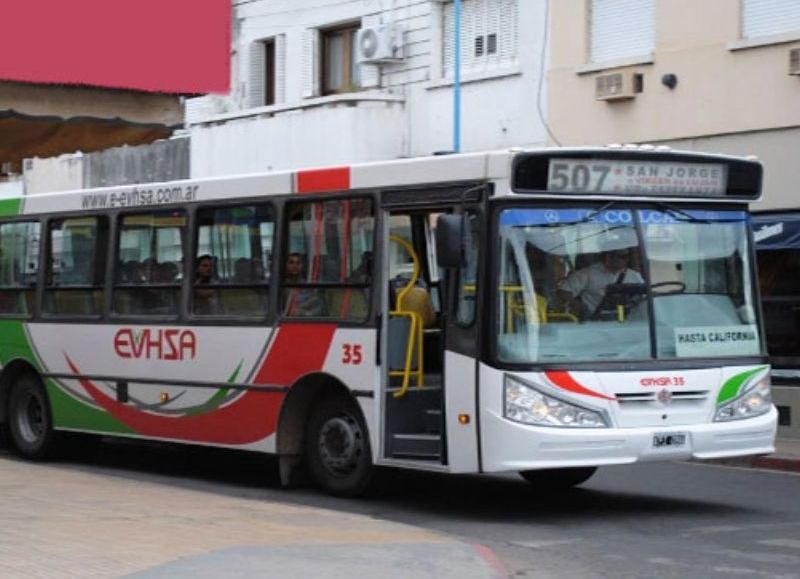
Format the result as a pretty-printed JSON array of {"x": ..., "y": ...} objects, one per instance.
[
  {"x": 755, "y": 400},
  {"x": 525, "y": 404}
]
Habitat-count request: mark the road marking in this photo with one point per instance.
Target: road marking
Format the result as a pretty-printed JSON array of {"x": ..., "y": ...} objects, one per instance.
[
  {"x": 544, "y": 544},
  {"x": 793, "y": 543}
]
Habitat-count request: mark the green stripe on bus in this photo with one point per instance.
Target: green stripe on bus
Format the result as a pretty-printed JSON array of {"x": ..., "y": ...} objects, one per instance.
[
  {"x": 74, "y": 414},
  {"x": 68, "y": 412},
  {"x": 218, "y": 397},
  {"x": 10, "y": 207},
  {"x": 732, "y": 386}
]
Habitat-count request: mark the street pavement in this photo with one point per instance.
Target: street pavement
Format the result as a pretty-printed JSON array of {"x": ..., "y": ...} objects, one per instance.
[
  {"x": 62, "y": 521},
  {"x": 59, "y": 521}
]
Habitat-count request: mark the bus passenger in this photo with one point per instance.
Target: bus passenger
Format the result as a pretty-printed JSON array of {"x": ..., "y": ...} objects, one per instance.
[
  {"x": 300, "y": 301},
  {"x": 584, "y": 289},
  {"x": 205, "y": 299}
]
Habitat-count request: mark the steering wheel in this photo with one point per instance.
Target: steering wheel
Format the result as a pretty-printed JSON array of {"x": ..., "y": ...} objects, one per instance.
[
  {"x": 678, "y": 287},
  {"x": 627, "y": 295}
]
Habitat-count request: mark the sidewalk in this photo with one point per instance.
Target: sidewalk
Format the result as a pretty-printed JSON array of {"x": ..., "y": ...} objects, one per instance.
[
  {"x": 64, "y": 522},
  {"x": 786, "y": 457}
]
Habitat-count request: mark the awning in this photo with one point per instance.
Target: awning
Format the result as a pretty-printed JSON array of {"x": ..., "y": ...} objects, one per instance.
[
  {"x": 50, "y": 120},
  {"x": 777, "y": 230}
]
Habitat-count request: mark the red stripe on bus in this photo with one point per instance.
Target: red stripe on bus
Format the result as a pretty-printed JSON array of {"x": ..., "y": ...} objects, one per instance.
[
  {"x": 298, "y": 350},
  {"x": 322, "y": 180},
  {"x": 565, "y": 381}
]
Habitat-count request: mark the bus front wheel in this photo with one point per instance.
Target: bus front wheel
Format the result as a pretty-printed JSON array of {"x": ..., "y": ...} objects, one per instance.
[
  {"x": 30, "y": 422},
  {"x": 337, "y": 450},
  {"x": 558, "y": 478}
]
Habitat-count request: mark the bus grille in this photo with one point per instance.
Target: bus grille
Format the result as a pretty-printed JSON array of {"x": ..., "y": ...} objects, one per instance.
[{"x": 625, "y": 398}]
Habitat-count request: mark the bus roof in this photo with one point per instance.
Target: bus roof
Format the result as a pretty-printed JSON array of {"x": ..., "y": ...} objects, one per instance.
[{"x": 450, "y": 168}]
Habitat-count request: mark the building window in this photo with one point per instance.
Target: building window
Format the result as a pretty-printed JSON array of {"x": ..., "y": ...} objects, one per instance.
[
  {"x": 340, "y": 71},
  {"x": 622, "y": 29},
  {"x": 269, "y": 72},
  {"x": 488, "y": 35},
  {"x": 770, "y": 17},
  {"x": 266, "y": 82}
]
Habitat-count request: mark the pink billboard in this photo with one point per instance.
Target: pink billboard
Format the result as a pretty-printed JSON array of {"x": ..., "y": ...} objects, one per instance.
[{"x": 169, "y": 46}]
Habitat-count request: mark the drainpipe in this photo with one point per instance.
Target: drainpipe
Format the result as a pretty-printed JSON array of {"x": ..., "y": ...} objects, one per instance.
[{"x": 457, "y": 76}]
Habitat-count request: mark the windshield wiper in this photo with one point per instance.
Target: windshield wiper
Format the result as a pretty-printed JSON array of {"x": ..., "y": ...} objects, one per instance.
[{"x": 688, "y": 217}]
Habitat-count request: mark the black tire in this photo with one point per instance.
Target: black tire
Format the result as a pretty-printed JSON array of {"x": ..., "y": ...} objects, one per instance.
[
  {"x": 30, "y": 422},
  {"x": 337, "y": 449},
  {"x": 558, "y": 478}
]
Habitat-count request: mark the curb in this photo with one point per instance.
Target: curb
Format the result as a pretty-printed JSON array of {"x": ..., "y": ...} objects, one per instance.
[{"x": 779, "y": 463}]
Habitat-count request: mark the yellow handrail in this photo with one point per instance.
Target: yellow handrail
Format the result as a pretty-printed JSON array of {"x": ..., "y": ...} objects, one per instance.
[{"x": 415, "y": 333}]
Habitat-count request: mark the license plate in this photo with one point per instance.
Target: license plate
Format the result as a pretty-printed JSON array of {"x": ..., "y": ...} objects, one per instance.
[{"x": 669, "y": 440}]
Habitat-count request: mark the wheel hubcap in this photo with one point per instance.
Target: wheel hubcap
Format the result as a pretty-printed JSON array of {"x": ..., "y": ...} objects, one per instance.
[
  {"x": 30, "y": 418},
  {"x": 341, "y": 444}
]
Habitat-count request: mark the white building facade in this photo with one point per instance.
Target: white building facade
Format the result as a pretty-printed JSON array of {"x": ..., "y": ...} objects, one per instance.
[{"x": 324, "y": 82}]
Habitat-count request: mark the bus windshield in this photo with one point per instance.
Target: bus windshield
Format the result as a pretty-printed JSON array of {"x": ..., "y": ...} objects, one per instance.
[{"x": 624, "y": 282}]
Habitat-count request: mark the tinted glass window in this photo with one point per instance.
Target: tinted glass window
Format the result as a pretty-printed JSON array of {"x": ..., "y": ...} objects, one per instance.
[{"x": 149, "y": 263}]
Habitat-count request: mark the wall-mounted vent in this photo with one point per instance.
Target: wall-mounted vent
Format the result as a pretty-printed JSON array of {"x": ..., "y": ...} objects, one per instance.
[
  {"x": 794, "y": 61},
  {"x": 617, "y": 86}
]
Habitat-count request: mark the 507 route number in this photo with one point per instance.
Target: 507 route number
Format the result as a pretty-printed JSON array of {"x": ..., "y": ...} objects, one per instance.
[{"x": 573, "y": 176}]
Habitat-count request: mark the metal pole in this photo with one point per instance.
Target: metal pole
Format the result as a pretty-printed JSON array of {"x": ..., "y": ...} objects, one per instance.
[{"x": 457, "y": 76}]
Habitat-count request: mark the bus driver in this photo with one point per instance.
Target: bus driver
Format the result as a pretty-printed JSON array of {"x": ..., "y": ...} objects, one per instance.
[{"x": 583, "y": 290}]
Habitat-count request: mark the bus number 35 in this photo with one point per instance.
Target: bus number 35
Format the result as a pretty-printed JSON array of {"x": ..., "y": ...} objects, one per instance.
[{"x": 351, "y": 354}]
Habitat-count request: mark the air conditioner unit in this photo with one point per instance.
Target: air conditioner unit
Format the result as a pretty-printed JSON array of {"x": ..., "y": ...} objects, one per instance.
[
  {"x": 794, "y": 61},
  {"x": 383, "y": 43},
  {"x": 616, "y": 86}
]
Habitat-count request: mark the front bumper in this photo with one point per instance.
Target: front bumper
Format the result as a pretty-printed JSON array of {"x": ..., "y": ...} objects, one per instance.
[{"x": 510, "y": 446}]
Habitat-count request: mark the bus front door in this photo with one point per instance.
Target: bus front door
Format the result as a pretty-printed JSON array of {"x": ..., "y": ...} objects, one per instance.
[{"x": 413, "y": 376}]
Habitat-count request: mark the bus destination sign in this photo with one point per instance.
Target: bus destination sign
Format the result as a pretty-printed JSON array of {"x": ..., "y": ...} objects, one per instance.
[{"x": 636, "y": 177}]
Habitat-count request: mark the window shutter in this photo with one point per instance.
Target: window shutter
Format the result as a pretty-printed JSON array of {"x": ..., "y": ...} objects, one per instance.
[
  {"x": 768, "y": 17},
  {"x": 280, "y": 69},
  {"x": 447, "y": 40},
  {"x": 370, "y": 74},
  {"x": 255, "y": 78},
  {"x": 310, "y": 63},
  {"x": 507, "y": 35},
  {"x": 622, "y": 29},
  {"x": 480, "y": 19},
  {"x": 472, "y": 24}
]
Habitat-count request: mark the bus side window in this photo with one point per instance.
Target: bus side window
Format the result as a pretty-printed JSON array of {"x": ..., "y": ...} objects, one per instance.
[
  {"x": 19, "y": 264},
  {"x": 236, "y": 241},
  {"x": 149, "y": 263},
  {"x": 327, "y": 265},
  {"x": 75, "y": 266},
  {"x": 468, "y": 274}
]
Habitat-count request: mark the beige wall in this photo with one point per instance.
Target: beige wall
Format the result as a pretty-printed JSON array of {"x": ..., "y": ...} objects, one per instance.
[
  {"x": 776, "y": 149},
  {"x": 736, "y": 101}
]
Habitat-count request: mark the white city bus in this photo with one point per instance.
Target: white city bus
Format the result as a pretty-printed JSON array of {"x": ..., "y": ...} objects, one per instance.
[{"x": 407, "y": 313}]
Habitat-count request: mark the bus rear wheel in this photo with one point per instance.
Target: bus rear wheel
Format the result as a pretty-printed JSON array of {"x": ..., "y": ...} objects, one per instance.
[
  {"x": 558, "y": 478},
  {"x": 30, "y": 422},
  {"x": 337, "y": 449}
]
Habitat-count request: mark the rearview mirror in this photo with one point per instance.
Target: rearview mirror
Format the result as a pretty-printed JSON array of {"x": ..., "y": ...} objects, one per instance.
[{"x": 450, "y": 240}]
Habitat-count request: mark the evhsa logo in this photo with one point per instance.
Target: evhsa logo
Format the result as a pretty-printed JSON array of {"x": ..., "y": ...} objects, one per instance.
[{"x": 156, "y": 344}]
